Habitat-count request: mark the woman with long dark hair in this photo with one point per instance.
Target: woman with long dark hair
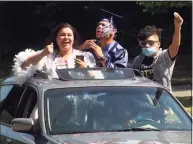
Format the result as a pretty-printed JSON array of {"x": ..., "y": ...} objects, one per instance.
[{"x": 60, "y": 52}]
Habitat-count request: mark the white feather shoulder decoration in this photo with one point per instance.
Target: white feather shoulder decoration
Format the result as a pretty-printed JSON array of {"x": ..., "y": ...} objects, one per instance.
[{"x": 23, "y": 74}]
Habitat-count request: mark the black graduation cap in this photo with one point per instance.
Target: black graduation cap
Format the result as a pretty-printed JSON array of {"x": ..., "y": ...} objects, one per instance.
[
  {"x": 105, "y": 14},
  {"x": 112, "y": 14}
]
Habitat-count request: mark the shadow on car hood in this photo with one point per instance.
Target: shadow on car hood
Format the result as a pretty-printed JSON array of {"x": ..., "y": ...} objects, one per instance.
[{"x": 153, "y": 137}]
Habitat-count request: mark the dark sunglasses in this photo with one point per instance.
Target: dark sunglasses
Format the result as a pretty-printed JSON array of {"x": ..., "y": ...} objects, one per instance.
[{"x": 149, "y": 42}]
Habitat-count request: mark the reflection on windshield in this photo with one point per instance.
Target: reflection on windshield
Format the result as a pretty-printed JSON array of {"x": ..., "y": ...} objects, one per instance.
[{"x": 112, "y": 108}]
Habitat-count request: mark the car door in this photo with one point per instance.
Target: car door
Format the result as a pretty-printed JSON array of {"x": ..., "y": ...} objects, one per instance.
[
  {"x": 4, "y": 90},
  {"x": 24, "y": 110},
  {"x": 9, "y": 100}
]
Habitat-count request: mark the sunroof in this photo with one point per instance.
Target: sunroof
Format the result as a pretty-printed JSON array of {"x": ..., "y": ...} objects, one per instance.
[{"x": 95, "y": 73}]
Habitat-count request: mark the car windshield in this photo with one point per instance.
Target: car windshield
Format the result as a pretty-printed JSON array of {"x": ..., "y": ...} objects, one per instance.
[{"x": 94, "y": 109}]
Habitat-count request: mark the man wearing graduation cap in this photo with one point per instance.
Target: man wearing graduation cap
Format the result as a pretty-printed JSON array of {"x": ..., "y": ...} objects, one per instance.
[{"x": 107, "y": 52}]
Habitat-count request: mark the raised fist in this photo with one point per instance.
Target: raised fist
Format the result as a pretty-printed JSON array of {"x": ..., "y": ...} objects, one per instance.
[
  {"x": 177, "y": 19},
  {"x": 49, "y": 49}
]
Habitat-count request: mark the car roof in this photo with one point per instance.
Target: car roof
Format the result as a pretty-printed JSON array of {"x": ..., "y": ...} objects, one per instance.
[
  {"x": 56, "y": 83},
  {"x": 112, "y": 77}
]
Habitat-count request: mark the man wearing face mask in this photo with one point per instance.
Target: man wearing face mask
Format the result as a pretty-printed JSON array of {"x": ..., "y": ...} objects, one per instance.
[
  {"x": 107, "y": 52},
  {"x": 155, "y": 63}
]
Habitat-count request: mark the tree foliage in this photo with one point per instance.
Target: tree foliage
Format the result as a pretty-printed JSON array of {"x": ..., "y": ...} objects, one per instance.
[
  {"x": 56, "y": 11},
  {"x": 155, "y": 7}
]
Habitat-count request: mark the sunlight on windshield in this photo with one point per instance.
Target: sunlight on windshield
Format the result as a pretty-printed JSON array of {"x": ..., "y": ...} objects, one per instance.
[{"x": 112, "y": 108}]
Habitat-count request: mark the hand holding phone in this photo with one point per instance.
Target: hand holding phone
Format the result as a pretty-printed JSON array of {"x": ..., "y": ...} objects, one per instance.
[
  {"x": 80, "y": 57},
  {"x": 77, "y": 63}
]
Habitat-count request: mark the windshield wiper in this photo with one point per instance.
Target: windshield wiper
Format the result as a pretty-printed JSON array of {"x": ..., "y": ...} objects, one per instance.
[
  {"x": 117, "y": 130},
  {"x": 138, "y": 129}
]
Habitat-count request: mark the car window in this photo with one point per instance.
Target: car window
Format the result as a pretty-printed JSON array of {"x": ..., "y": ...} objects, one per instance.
[
  {"x": 9, "y": 103},
  {"x": 173, "y": 114},
  {"x": 91, "y": 109},
  {"x": 4, "y": 91},
  {"x": 27, "y": 103}
]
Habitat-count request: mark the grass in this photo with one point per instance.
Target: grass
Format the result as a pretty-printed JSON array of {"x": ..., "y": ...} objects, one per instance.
[
  {"x": 181, "y": 81},
  {"x": 189, "y": 109},
  {"x": 187, "y": 103},
  {"x": 183, "y": 76},
  {"x": 182, "y": 70}
]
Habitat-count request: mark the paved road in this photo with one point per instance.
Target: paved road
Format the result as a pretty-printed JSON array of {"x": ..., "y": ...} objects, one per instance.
[{"x": 182, "y": 91}]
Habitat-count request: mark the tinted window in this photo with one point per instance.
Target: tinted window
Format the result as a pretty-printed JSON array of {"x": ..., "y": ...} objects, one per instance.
[
  {"x": 112, "y": 108},
  {"x": 27, "y": 103},
  {"x": 10, "y": 103},
  {"x": 4, "y": 90}
]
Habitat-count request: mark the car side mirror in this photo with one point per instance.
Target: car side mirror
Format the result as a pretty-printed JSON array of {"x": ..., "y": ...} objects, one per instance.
[{"x": 22, "y": 124}]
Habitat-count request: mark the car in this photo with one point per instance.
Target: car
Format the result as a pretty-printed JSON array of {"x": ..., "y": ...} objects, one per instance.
[{"x": 91, "y": 106}]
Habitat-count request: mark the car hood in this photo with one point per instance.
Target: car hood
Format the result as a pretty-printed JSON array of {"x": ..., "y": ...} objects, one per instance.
[{"x": 153, "y": 137}]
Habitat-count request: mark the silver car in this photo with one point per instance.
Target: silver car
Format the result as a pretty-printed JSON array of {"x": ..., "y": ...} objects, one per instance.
[{"x": 91, "y": 106}]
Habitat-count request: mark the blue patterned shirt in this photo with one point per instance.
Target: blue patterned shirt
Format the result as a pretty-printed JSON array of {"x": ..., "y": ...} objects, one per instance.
[{"x": 115, "y": 54}]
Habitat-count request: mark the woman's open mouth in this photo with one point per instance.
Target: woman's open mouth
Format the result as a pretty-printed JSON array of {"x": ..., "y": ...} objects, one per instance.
[{"x": 66, "y": 43}]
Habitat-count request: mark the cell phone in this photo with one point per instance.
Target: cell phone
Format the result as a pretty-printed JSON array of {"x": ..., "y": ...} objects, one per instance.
[{"x": 81, "y": 57}]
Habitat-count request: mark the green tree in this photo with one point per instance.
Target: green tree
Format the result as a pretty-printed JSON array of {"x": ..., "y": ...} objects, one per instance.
[{"x": 155, "y": 7}]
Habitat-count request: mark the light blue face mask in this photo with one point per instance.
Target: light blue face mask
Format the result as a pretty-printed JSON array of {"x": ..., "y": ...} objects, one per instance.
[{"x": 149, "y": 51}]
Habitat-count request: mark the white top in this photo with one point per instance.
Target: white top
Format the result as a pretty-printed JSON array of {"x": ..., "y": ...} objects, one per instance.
[
  {"x": 47, "y": 64},
  {"x": 50, "y": 63}
]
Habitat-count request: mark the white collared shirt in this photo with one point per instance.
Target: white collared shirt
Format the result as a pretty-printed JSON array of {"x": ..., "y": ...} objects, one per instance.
[{"x": 53, "y": 61}]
